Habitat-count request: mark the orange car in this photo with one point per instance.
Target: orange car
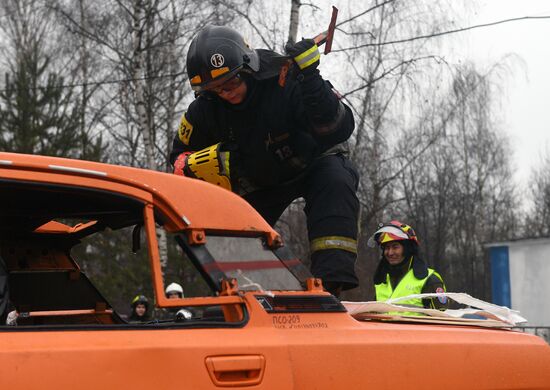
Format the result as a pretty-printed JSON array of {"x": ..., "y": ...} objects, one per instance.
[{"x": 262, "y": 323}]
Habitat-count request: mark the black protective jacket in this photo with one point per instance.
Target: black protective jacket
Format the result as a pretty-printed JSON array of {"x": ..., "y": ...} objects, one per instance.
[
  {"x": 134, "y": 318},
  {"x": 4, "y": 292},
  {"x": 276, "y": 133}
]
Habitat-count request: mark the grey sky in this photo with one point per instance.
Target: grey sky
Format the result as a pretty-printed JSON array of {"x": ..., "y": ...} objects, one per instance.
[{"x": 526, "y": 103}]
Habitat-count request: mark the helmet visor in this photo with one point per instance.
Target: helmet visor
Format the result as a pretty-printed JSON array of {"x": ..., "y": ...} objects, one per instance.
[
  {"x": 387, "y": 234},
  {"x": 213, "y": 83}
]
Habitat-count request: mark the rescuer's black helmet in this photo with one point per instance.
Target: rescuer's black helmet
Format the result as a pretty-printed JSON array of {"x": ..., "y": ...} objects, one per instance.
[
  {"x": 216, "y": 54},
  {"x": 140, "y": 299}
]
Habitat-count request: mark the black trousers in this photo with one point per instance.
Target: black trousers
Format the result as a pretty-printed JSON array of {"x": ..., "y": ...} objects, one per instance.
[{"x": 329, "y": 188}]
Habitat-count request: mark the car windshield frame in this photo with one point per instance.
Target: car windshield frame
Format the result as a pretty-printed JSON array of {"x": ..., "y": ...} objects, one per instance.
[{"x": 280, "y": 269}]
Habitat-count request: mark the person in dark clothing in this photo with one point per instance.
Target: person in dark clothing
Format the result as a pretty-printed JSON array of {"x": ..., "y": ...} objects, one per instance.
[
  {"x": 140, "y": 310},
  {"x": 272, "y": 139},
  {"x": 401, "y": 272},
  {"x": 7, "y": 312}
]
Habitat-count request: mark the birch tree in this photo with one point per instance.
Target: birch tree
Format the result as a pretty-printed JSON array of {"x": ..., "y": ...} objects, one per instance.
[{"x": 140, "y": 49}]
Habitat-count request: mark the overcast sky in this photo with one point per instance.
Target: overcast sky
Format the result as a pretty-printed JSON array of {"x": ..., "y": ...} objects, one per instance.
[{"x": 526, "y": 103}]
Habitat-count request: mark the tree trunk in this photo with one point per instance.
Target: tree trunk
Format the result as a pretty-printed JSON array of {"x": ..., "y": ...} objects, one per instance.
[
  {"x": 84, "y": 73},
  {"x": 294, "y": 21},
  {"x": 143, "y": 120},
  {"x": 139, "y": 84}
]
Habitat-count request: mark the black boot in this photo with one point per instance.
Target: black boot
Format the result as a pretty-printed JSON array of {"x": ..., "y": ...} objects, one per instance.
[{"x": 335, "y": 288}]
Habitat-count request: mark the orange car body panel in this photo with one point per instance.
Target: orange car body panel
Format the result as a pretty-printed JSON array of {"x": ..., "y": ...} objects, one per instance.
[
  {"x": 170, "y": 193},
  {"x": 269, "y": 351},
  {"x": 304, "y": 351}
]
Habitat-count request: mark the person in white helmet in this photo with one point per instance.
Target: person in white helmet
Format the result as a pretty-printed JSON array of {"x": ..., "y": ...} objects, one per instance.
[
  {"x": 8, "y": 314},
  {"x": 173, "y": 291}
]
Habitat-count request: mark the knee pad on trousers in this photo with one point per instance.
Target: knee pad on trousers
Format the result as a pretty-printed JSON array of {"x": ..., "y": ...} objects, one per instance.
[{"x": 335, "y": 266}]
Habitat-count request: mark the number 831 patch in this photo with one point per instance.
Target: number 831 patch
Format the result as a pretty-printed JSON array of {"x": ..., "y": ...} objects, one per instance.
[{"x": 185, "y": 130}]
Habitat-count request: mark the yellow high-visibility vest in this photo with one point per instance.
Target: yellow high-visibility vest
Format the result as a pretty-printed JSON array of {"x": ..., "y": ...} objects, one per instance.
[{"x": 408, "y": 285}]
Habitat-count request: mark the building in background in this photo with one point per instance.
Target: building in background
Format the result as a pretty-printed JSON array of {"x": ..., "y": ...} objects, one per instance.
[{"x": 520, "y": 272}]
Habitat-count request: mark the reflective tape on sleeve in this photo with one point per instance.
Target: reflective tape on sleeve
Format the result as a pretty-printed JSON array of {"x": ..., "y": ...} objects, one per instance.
[
  {"x": 308, "y": 57},
  {"x": 334, "y": 242}
]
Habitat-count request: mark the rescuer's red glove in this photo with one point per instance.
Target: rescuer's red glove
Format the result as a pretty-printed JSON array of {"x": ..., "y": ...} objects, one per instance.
[{"x": 180, "y": 163}]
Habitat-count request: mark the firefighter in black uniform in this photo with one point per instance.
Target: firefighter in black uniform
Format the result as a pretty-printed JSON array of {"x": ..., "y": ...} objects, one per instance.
[{"x": 273, "y": 138}]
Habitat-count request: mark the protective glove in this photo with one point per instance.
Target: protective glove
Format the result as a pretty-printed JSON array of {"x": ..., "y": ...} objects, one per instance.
[
  {"x": 179, "y": 164},
  {"x": 12, "y": 318},
  {"x": 211, "y": 164},
  {"x": 305, "y": 54},
  {"x": 183, "y": 315}
]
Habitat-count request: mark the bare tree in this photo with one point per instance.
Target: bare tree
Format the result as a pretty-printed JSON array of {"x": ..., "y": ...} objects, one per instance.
[
  {"x": 536, "y": 221},
  {"x": 139, "y": 46},
  {"x": 138, "y": 41},
  {"x": 460, "y": 195},
  {"x": 391, "y": 90}
]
